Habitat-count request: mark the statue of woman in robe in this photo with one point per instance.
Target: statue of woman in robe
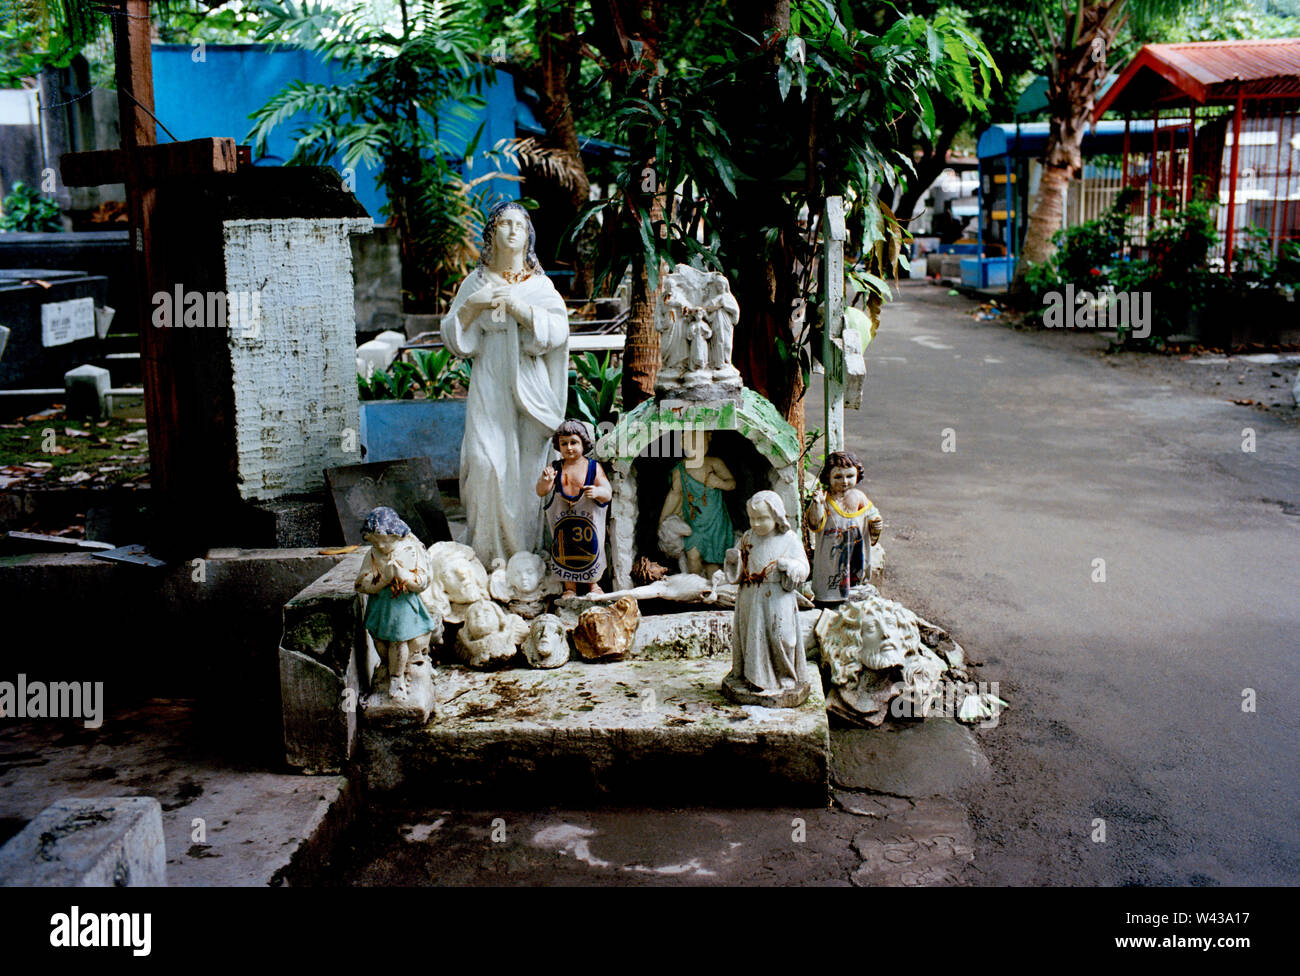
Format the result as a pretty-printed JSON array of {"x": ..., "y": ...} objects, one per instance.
[{"x": 508, "y": 319}]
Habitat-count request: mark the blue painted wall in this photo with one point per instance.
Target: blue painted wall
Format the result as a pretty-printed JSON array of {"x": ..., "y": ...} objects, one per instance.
[{"x": 215, "y": 97}]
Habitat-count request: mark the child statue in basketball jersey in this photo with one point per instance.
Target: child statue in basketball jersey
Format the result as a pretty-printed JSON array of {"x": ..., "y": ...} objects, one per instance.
[{"x": 575, "y": 510}]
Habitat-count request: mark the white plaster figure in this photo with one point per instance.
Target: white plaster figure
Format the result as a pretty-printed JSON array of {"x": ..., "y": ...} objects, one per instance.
[
  {"x": 698, "y": 334},
  {"x": 522, "y": 584},
  {"x": 393, "y": 575},
  {"x": 459, "y": 579},
  {"x": 490, "y": 635},
  {"x": 767, "y": 665},
  {"x": 874, "y": 652},
  {"x": 695, "y": 498},
  {"x": 670, "y": 323},
  {"x": 696, "y": 320},
  {"x": 508, "y": 319},
  {"x": 724, "y": 314}
]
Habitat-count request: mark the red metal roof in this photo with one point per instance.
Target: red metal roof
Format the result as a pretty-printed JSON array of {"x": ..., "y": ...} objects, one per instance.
[{"x": 1171, "y": 75}]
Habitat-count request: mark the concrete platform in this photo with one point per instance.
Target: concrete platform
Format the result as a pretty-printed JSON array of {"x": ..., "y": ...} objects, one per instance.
[
  {"x": 225, "y": 821},
  {"x": 648, "y": 732}
]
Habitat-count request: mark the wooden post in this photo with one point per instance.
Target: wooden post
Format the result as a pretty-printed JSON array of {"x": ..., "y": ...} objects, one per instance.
[
  {"x": 833, "y": 322},
  {"x": 166, "y": 355}
]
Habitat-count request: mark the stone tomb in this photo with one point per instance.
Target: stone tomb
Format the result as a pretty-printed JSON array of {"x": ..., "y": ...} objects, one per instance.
[{"x": 651, "y": 728}]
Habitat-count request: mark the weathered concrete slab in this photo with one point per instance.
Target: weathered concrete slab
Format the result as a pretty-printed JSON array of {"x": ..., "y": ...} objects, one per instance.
[
  {"x": 224, "y": 824},
  {"x": 930, "y": 758},
  {"x": 627, "y": 731},
  {"x": 227, "y": 608},
  {"x": 105, "y": 842},
  {"x": 322, "y": 663}
]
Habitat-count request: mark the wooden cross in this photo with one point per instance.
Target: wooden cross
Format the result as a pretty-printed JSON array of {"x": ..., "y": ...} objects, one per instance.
[{"x": 142, "y": 165}]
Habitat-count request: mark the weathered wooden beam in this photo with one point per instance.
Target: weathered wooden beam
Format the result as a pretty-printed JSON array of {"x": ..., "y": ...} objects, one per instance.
[
  {"x": 153, "y": 164},
  {"x": 833, "y": 236}
]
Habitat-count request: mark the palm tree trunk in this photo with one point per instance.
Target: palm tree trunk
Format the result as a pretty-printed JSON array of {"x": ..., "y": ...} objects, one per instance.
[
  {"x": 559, "y": 200},
  {"x": 617, "y": 24},
  {"x": 1079, "y": 65}
]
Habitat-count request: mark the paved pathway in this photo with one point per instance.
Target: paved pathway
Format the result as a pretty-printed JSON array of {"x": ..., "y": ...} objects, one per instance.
[{"x": 1127, "y": 694}]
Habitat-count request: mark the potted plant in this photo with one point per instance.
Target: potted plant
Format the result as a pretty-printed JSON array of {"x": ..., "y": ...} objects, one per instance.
[{"x": 416, "y": 409}]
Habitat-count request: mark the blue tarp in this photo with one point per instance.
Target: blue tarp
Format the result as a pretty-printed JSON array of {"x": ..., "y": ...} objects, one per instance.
[
  {"x": 215, "y": 97},
  {"x": 1106, "y": 136}
]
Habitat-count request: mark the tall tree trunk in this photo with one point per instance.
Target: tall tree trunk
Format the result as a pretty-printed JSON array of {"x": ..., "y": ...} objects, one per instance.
[
  {"x": 766, "y": 279},
  {"x": 627, "y": 33},
  {"x": 558, "y": 56},
  {"x": 1079, "y": 67}
]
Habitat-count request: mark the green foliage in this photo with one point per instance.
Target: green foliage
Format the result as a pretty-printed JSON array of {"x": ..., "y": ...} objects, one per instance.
[
  {"x": 594, "y": 386},
  {"x": 406, "y": 88},
  {"x": 1174, "y": 265},
  {"x": 25, "y": 209},
  {"x": 439, "y": 373},
  {"x": 811, "y": 463},
  {"x": 26, "y": 49},
  {"x": 434, "y": 374},
  {"x": 1256, "y": 265},
  {"x": 856, "y": 91}
]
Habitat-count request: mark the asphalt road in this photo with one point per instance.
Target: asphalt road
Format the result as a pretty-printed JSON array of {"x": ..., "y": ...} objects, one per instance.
[{"x": 1130, "y": 698}]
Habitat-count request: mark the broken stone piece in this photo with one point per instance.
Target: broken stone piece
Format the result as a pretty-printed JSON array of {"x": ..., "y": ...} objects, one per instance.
[
  {"x": 104, "y": 842},
  {"x": 606, "y": 633}
]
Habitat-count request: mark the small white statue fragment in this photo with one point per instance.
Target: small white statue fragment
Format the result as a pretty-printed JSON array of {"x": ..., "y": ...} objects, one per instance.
[
  {"x": 698, "y": 334},
  {"x": 395, "y": 574},
  {"x": 546, "y": 646},
  {"x": 459, "y": 580},
  {"x": 490, "y": 635},
  {"x": 522, "y": 584},
  {"x": 725, "y": 313},
  {"x": 768, "y": 666}
]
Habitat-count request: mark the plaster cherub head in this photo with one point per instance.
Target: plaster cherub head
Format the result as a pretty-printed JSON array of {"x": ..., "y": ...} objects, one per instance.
[
  {"x": 462, "y": 583},
  {"x": 483, "y": 618},
  {"x": 767, "y": 514},
  {"x": 522, "y": 578},
  {"x": 490, "y": 635},
  {"x": 458, "y": 579}
]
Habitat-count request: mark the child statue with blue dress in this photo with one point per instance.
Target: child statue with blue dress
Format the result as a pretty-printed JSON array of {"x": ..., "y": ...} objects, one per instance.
[{"x": 395, "y": 575}]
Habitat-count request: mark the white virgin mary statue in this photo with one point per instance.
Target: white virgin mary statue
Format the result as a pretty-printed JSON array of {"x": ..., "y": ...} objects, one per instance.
[{"x": 510, "y": 321}]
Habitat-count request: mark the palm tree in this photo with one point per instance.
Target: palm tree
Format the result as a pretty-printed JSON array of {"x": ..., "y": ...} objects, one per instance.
[{"x": 1074, "y": 40}]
